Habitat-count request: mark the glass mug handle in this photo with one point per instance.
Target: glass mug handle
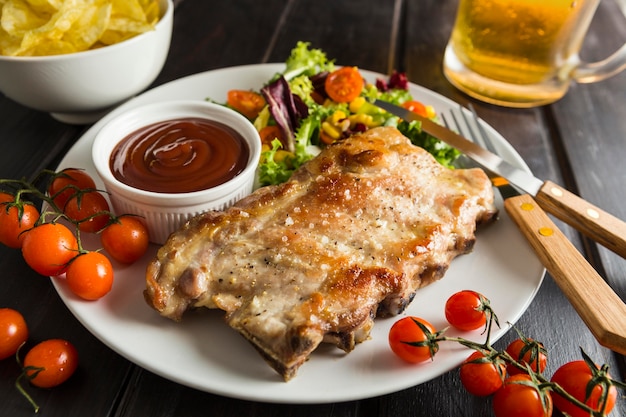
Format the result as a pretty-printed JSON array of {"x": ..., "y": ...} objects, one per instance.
[
  {"x": 593, "y": 72},
  {"x": 523, "y": 53}
]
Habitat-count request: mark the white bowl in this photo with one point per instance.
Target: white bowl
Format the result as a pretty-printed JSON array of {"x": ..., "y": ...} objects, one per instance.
[
  {"x": 80, "y": 87},
  {"x": 164, "y": 213}
]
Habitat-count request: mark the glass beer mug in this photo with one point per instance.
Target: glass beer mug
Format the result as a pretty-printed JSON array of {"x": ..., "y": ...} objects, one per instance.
[{"x": 523, "y": 53}]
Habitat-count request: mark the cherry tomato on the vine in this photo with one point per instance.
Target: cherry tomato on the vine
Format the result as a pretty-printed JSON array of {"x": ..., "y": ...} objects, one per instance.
[
  {"x": 344, "y": 84},
  {"x": 66, "y": 183},
  {"x": 465, "y": 310},
  {"x": 126, "y": 240},
  {"x": 90, "y": 275},
  {"x": 245, "y": 102},
  {"x": 410, "y": 341},
  {"x": 482, "y": 376},
  {"x": 50, "y": 363},
  {"x": 49, "y": 247},
  {"x": 84, "y": 207},
  {"x": 573, "y": 377},
  {"x": 13, "y": 223},
  {"x": 527, "y": 351},
  {"x": 13, "y": 332},
  {"x": 520, "y": 397}
]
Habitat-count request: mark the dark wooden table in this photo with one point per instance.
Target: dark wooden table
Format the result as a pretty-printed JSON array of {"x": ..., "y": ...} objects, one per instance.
[{"x": 579, "y": 142}]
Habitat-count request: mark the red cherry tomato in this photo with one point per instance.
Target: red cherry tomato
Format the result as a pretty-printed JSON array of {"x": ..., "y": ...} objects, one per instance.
[
  {"x": 465, "y": 310},
  {"x": 245, "y": 102},
  {"x": 90, "y": 276},
  {"x": 344, "y": 84},
  {"x": 530, "y": 352},
  {"x": 84, "y": 208},
  {"x": 66, "y": 183},
  {"x": 269, "y": 133},
  {"x": 520, "y": 397},
  {"x": 13, "y": 332},
  {"x": 14, "y": 223},
  {"x": 574, "y": 377},
  {"x": 406, "y": 336},
  {"x": 415, "y": 107},
  {"x": 126, "y": 240},
  {"x": 50, "y": 363},
  {"x": 48, "y": 248},
  {"x": 482, "y": 376}
]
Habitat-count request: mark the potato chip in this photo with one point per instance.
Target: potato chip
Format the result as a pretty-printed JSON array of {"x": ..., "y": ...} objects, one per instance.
[
  {"x": 18, "y": 18},
  {"x": 49, "y": 27},
  {"x": 45, "y": 6},
  {"x": 88, "y": 29},
  {"x": 8, "y": 44},
  {"x": 53, "y": 30},
  {"x": 128, "y": 19}
]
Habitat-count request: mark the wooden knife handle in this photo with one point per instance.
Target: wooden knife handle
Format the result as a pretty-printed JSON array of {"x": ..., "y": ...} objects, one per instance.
[
  {"x": 590, "y": 220},
  {"x": 594, "y": 300}
]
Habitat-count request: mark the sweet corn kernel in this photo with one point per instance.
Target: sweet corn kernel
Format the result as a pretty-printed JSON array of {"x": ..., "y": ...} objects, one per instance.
[
  {"x": 280, "y": 155},
  {"x": 337, "y": 116},
  {"x": 362, "y": 118},
  {"x": 356, "y": 104},
  {"x": 331, "y": 130}
]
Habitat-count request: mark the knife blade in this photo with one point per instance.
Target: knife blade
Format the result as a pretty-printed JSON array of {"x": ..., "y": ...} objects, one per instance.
[
  {"x": 597, "y": 304},
  {"x": 585, "y": 217}
]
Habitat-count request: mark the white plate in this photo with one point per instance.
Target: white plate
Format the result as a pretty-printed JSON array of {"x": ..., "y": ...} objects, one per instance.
[{"x": 204, "y": 353}]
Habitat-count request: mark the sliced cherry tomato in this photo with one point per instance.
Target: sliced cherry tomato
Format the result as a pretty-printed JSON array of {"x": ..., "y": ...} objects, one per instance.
[
  {"x": 90, "y": 276},
  {"x": 465, "y": 310},
  {"x": 13, "y": 332},
  {"x": 66, "y": 183},
  {"x": 481, "y": 375},
  {"x": 344, "y": 84},
  {"x": 527, "y": 351},
  {"x": 410, "y": 341},
  {"x": 126, "y": 240},
  {"x": 415, "y": 107},
  {"x": 520, "y": 397},
  {"x": 84, "y": 208},
  {"x": 573, "y": 377},
  {"x": 245, "y": 102},
  {"x": 48, "y": 248},
  {"x": 15, "y": 220},
  {"x": 269, "y": 133},
  {"x": 50, "y": 363}
]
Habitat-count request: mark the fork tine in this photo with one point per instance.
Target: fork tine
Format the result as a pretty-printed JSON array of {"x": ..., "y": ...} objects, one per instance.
[
  {"x": 467, "y": 126},
  {"x": 481, "y": 129}
]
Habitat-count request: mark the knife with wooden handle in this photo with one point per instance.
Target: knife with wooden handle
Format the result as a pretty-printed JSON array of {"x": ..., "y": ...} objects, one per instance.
[
  {"x": 600, "y": 308},
  {"x": 597, "y": 304},
  {"x": 590, "y": 220}
]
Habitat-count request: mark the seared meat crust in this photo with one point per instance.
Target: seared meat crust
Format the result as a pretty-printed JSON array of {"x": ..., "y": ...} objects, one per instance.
[{"x": 351, "y": 236}]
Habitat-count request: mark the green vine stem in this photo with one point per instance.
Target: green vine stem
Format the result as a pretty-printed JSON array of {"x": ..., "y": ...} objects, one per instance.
[
  {"x": 26, "y": 191},
  {"x": 600, "y": 374}
]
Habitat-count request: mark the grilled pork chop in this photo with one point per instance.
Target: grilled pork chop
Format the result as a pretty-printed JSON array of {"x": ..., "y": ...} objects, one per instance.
[{"x": 351, "y": 236}]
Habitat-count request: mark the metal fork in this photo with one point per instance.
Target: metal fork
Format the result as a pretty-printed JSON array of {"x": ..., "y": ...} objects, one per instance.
[
  {"x": 601, "y": 309},
  {"x": 472, "y": 129}
]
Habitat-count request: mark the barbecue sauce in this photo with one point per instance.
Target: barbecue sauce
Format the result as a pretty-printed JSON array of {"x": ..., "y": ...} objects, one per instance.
[{"x": 179, "y": 156}]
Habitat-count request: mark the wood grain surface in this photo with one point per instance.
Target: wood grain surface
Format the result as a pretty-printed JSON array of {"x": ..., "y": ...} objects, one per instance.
[{"x": 578, "y": 142}]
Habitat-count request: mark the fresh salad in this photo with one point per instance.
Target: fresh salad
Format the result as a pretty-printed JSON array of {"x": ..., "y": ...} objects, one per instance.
[{"x": 312, "y": 103}]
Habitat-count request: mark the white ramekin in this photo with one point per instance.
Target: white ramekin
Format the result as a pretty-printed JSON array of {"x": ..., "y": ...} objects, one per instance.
[{"x": 163, "y": 213}]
